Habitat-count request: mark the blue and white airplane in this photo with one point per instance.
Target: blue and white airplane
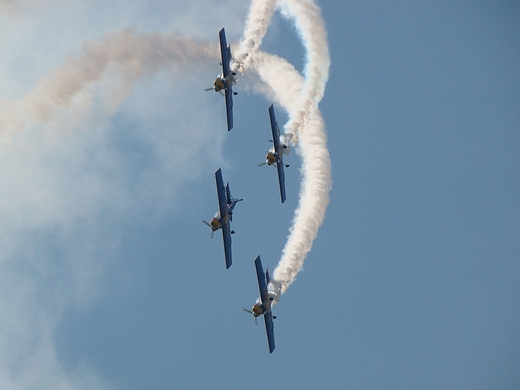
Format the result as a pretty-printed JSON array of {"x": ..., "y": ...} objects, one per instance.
[
  {"x": 263, "y": 304},
  {"x": 227, "y": 79},
  {"x": 275, "y": 154},
  {"x": 224, "y": 216}
]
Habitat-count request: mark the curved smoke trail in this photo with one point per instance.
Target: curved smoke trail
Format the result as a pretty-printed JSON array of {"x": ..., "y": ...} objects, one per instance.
[
  {"x": 300, "y": 96},
  {"x": 129, "y": 54}
]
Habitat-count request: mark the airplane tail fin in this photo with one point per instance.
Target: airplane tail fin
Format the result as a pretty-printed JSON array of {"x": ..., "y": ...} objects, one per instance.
[
  {"x": 228, "y": 194},
  {"x": 229, "y": 197}
]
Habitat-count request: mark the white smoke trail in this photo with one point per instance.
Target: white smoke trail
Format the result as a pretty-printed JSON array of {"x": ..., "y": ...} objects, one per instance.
[
  {"x": 300, "y": 96},
  {"x": 129, "y": 54},
  {"x": 258, "y": 19}
]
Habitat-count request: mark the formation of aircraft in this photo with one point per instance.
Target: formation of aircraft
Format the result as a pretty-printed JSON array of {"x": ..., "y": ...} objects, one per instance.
[
  {"x": 221, "y": 220},
  {"x": 263, "y": 304},
  {"x": 226, "y": 80},
  {"x": 275, "y": 154}
]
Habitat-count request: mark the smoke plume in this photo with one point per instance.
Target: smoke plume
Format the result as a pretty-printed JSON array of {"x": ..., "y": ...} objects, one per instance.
[{"x": 299, "y": 96}]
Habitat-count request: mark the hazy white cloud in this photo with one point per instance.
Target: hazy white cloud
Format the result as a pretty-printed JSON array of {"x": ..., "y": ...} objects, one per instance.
[
  {"x": 66, "y": 200},
  {"x": 92, "y": 139}
]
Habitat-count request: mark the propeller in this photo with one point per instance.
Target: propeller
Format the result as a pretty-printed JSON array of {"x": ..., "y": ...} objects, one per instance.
[
  {"x": 260, "y": 165},
  {"x": 250, "y": 312},
  {"x": 209, "y": 227},
  {"x": 209, "y": 89}
]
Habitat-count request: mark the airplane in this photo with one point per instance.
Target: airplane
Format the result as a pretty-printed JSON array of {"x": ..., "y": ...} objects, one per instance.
[
  {"x": 227, "y": 79},
  {"x": 224, "y": 216},
  {"x": 263, "y": 304},
  {"x": 275, "y": 154}
]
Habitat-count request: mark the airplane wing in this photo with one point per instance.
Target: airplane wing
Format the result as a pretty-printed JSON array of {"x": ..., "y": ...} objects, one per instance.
[
  {"x": 262, "y": 285},
  {"x": 279, "y": 153},
  {"x": 281, "y": 179},
  {"x": 269, "y": 327},
  {"x": 274, "y": 130},
  {"x": 225, "y": 53},
  {"x": 224, "y": 216},
  {"x": 228, "y": 93},
  {"x": 225, "y": 56},
  {"x": 264, "y": 296}
]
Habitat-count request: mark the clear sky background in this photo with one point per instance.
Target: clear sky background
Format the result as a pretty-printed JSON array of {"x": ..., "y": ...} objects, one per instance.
[{"x": 109, "y": 279}]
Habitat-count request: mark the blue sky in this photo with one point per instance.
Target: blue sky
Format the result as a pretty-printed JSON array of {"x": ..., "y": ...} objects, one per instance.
[{"x": 109, "y": 278}]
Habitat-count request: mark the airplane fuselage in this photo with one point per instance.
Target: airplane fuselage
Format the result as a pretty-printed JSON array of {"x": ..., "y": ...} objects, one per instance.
[
  {"x": 219, "y": 84},
  {"x": 257, "y": 310},
  {"x": 222, "y": 83},
  {"x": 270, "y": 158},
  {"x": 261, "y": 308},
  {"x": 215, "y": 223}
]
